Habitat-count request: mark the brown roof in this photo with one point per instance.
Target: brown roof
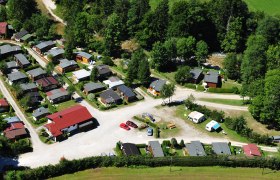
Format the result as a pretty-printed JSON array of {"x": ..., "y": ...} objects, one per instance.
[
  {"x": 4, "y": 103},
  {"x": 15, "y": 133},
  {"x": 47, "y": 81}
]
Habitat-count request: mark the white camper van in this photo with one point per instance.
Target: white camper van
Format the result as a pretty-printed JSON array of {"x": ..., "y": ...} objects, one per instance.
[{"x": 196, "y": 117}]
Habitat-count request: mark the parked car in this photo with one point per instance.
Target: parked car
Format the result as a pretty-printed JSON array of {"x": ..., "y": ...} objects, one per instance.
[
  {"x": 150, "y": 131},
  {"x": 131, "y": 124},
  {"x": 124, "y": 126},
  {"x": 148, "y": 116}
]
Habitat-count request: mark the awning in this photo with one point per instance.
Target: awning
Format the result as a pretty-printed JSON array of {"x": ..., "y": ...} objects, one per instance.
[{"x": 216, "y": 126}]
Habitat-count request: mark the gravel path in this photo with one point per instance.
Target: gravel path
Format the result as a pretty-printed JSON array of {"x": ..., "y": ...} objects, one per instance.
[{"x": 50, "y": 5}]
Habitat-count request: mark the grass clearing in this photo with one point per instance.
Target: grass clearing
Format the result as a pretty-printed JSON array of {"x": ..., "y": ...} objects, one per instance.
[
  {"x": 232, "y": 135},
  {"x": 271, "y": 7},
  {"x": 174, "y": 173},
  {"x": 230, "y": 84},
  {"x": 232, "y": 102},
  {"x": 65, "y": 105}
]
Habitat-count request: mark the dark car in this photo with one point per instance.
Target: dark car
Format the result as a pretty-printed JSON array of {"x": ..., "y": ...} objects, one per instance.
[{"x": 131, "y": 124}]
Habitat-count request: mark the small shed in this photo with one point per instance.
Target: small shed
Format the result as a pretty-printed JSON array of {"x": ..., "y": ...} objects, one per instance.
[
  {"x": 194, "y": 148},
  {"x": 130, "y": 149},
  {"x": 155, "y": 149},
  {"x": 251, "y": 150},
  {"x": 221, "y": 148}
]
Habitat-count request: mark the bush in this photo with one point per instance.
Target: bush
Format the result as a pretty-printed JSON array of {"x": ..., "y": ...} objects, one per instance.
[
  {"x": 223, "y": 90},
  {"x": 191, "y": 86}
]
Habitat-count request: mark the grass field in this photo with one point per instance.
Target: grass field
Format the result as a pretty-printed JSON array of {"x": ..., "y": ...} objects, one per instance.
[
  {"x": 271, "y": 7},
  {"x": 233, "y": 102},
  {"x": 175, "y": 173}
]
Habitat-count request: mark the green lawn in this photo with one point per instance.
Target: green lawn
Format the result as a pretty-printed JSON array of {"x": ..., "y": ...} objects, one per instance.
[
  {"x": 232, "y": 135},
  {"x": 271, "y": 7},
  {"x": 230, "y": 84},
  {"x": 233, "y": 102},
  {"x": 65, "y": 105},
  {"x": 173, "y": 173}
]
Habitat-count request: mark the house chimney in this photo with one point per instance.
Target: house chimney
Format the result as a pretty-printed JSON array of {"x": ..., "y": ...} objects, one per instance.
[{"x": 60, "y": 116}]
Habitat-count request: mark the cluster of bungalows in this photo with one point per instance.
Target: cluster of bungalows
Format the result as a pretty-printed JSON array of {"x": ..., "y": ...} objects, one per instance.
[
  {"x": 210, "y": 79},
  {"x": 15, "y": 127},
  {"x": 194, "y": 148},
  {"x": 68, "y": 122},
  {"x": 7, "y": 31}
]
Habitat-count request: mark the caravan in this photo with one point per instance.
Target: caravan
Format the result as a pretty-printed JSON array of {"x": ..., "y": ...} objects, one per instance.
[
  {"x": 196, "y": 117},
  {"x": 212, "y": 126}
]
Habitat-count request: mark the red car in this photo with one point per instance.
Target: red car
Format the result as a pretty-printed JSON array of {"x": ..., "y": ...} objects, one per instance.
[
  {"x": 131, "y": 124},
  {"x": 124, "y": 126}
]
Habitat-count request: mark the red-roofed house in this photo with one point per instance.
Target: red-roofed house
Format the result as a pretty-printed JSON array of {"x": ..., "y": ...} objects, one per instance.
[
  {"x": 251, "y": 150},
  {"x": 3, "y": 29},
  {"x": 15, "y": 131},
  {"x": 4, "y": 105},
  {"x": 76, "y": 118}
]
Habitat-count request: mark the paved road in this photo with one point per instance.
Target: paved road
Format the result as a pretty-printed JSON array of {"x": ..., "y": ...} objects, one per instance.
[{"x": 103, "y": 138}]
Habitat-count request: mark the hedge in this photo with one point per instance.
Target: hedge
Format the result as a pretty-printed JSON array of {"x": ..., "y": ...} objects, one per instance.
[
  {"x": 66, "y": 166},
  {"x": 224, "y": 90}
]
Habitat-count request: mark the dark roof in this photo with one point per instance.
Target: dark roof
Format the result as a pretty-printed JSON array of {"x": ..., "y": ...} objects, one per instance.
[
  {"x": 3, "y": 27},
  {"x": 156, "y": 148},
  {"x": 212, "y": 77},
  {"x": 91, "y": 86},
  {"x": 126, "y": 91},
  {"x": 40, "y": 112},
  {"x": 28, "y": 86},
  {"x": 221, "y": 148},
  {"x": 45, "y": 44},
  {"x": 103, "y": 69},
  {"x": 47, "y": 81},
  {"x": 22, "y": 59},
  {"x": 11, "y": 64},
  {"x": 195, "y": 148},
  {"x": 110, "y": 96},
  {"x": 66, "y": 63},
  {"x": 16, "y": 76},
  {"x": 130, "y": 149},
  {"x": 56, "y": 52},
  {"x": 158, "y": 84},
  {"x": 20, "y": 34},
  {"x": 36, "y": 72},
  {"x": 196, "y": 73},
  {"x": 84, "y": 54},
  {"x": 15, "y": 133}
]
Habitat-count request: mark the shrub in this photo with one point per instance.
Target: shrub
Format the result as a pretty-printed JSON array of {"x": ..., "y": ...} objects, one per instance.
[{"x": 191, "y": 86}]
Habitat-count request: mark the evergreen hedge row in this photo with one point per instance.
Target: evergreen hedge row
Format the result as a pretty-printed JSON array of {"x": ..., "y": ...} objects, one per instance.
[{"x": 66, "y": 166}]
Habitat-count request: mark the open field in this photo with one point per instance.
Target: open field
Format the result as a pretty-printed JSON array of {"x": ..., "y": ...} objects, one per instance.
[
  {"x": 271, "y": 7},
  {"x": 175, "y": 173},
  {"x": 224, "y": 101}
]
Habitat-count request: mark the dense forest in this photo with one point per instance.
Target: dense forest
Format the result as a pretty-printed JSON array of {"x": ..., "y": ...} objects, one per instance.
[{"x": 188, "y": 31}]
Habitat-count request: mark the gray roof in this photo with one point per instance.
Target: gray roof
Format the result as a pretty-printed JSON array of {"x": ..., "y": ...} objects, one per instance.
[
  {"x": 195, "y": 148},
  {"x": 158, "y": 84},
  {"x": 196, "y": 73},
  {"x": 44, "y": 44},
  {"x": 110, "y": 96},
  {"x": 221, "y": 148},
  {"x": 36, "y": 72},
  {"x": 57, "y": 93},
  {"x": 156, "y": 148},
  {"x": 40, "y": 111},
  {"x": 84, "y": 54},
  {"x": 56, "y": 52},
  {"x": 16, "y": 76},
  {"x": 91, "y": 86},
  {"x": 66, "y": 63},
  {"x": 28, "y": 86},
  {"x": 8, "y": 48},
  {"x": 20, "y": 34},
  {"x": 103, "y": 69},
  {"x": 12, "y": 64},
  {"x": 126, "y": 91},
  {"x": 22, "y": 59},
  {"x": 12, "y": 119},
  {"x": 211, "y": 76}
]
